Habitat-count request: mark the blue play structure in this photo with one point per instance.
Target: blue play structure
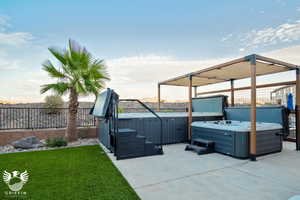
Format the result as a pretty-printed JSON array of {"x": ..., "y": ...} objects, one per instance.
[{"x": 290, "y": 103}]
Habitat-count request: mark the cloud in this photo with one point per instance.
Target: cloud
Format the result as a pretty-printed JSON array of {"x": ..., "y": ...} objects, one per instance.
[
  {"x": 227, "y": 37},
  {"x": 4, "y": 23},
  {"x": 24, "y": 89},
  {"x": 289, "y": 54},
  {"x": 284, "y": 33},
  {"x": 137, "y": 76},
  {"x": 9, "y": 64},
  {"x": 9, "y": 43},
  {"x": 12, "y": 38},
  {"x": 281, "y": 2},
  {"x": 131, "y": 77},
  {"x": 15, "y": 39},
  {"x": 149, "y": 67}
]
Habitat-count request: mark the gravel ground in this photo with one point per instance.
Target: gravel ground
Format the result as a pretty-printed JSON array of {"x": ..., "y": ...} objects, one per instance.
[{"x": 80, "y": 142}]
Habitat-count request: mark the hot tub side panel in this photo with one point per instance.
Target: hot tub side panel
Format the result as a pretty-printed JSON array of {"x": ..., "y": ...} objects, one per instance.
[
  {"x": 103, "y": 134},
  {"x": 241, "y": 144},
  {"x": 174, "y": 128},
  {"x": 268, "y": 142},
  {"x": 224, "y": 141},
  {"x": 237, "y": 143}
]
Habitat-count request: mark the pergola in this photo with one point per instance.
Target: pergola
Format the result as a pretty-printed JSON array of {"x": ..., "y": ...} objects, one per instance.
[{"x": 247, "y": 67}]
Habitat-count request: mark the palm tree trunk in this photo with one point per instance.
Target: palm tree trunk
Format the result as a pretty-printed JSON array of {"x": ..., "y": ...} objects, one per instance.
[{"x": 71, "y": 132}]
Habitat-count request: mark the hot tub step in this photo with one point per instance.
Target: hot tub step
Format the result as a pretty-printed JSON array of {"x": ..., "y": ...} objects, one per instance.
[
  {"x": 203, "y": 143},
  {"x": 141, "y": 137},
  {"x": 199, "y": 150},
  {"x": 152, "y": 149}
]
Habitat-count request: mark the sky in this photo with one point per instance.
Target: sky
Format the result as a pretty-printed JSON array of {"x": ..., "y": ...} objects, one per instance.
[{"x": 142, "y": 42}]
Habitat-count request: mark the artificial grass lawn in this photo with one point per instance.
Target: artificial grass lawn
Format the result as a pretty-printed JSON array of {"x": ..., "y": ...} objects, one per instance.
[{"x": 70, "y": 173}]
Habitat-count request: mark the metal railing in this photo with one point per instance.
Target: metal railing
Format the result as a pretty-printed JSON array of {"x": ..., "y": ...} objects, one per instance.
[
  {"x": 154, "y": 113},
  {"x": 41, "y": 118},
  {"x": 292, "y": 125}
]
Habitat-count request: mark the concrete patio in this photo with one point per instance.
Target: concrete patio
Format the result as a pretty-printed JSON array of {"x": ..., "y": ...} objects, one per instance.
[{"x": 180, "y": 175}]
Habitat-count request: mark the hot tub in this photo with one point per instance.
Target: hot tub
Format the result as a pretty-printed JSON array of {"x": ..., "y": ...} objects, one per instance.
[
  {"x": 175, "y": 128},
  {"x": 232, "y": 137}
]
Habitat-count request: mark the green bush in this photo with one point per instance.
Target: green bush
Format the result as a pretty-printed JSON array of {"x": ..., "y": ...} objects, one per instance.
[
  {"x": 56, "y": 142},
  {"x": 52, "y": 103},
  {"x": 120, "y": 110}
]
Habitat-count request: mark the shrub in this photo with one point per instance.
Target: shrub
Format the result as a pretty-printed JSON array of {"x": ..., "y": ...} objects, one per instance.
[
  {"x": 120, "y": 110},
  {"x": 52, "y": 103},
  {"x": 56, "y": 142}
]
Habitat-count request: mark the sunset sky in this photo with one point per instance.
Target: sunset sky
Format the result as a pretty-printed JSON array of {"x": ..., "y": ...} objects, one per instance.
[{"x": 142, "y": 42}]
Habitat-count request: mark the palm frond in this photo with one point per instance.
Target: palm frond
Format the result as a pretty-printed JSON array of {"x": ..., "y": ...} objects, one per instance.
[
  {"x": 80, "y": 88},
  {"x": 59, "y": 88},
  {"x": 59, "y": 54},
  {"x": 98, "y": 70},
  {"x": 92, "y": 86},
  {"x": 74, "y": 54},
  {"x": 52, "y": 71}
]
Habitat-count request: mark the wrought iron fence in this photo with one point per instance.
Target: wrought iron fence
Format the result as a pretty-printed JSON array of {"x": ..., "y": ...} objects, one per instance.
[
  {"x": 41, "y": 118},
  {"x": 292, "y": 123}
]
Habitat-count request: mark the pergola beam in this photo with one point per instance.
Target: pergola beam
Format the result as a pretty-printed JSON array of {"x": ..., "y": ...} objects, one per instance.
[
  {"x": 249, "y": 87},
  {"x": 212, "y": 77},
  {"x": 297, "y": 109},
  {"x": 278, "y": 62},
  {"x": 253, "y": 109},
  {"x": 232, "y": 91},
  {"x": 195, "y": 91},
  {"x": 158, "y": 97},
  {"x": 190, "y": 107}
]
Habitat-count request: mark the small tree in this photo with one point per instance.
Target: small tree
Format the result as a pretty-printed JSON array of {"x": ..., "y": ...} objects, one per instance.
[
  {"x": 52, "y": 103},
  {"x": 78, "y": 73}
]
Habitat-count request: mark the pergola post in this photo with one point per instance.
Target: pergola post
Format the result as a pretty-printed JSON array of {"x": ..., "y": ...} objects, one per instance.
[
  {"x": 232, "y": 91},
  {"x": 158, "y": 97},
  {"x": 297, "y": 109},
  {"x": 253, "y": 109},
  {"x": 190, "y": 107},
  {"x": 195, "y": 91}
]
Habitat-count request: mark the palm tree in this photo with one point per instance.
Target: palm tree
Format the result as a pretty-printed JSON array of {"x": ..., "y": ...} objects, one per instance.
[{"x": 78, "y": 74}]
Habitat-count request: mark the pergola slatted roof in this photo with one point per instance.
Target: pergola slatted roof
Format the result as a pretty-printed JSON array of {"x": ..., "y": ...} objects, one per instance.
[{"x": 233, "y": 70}]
